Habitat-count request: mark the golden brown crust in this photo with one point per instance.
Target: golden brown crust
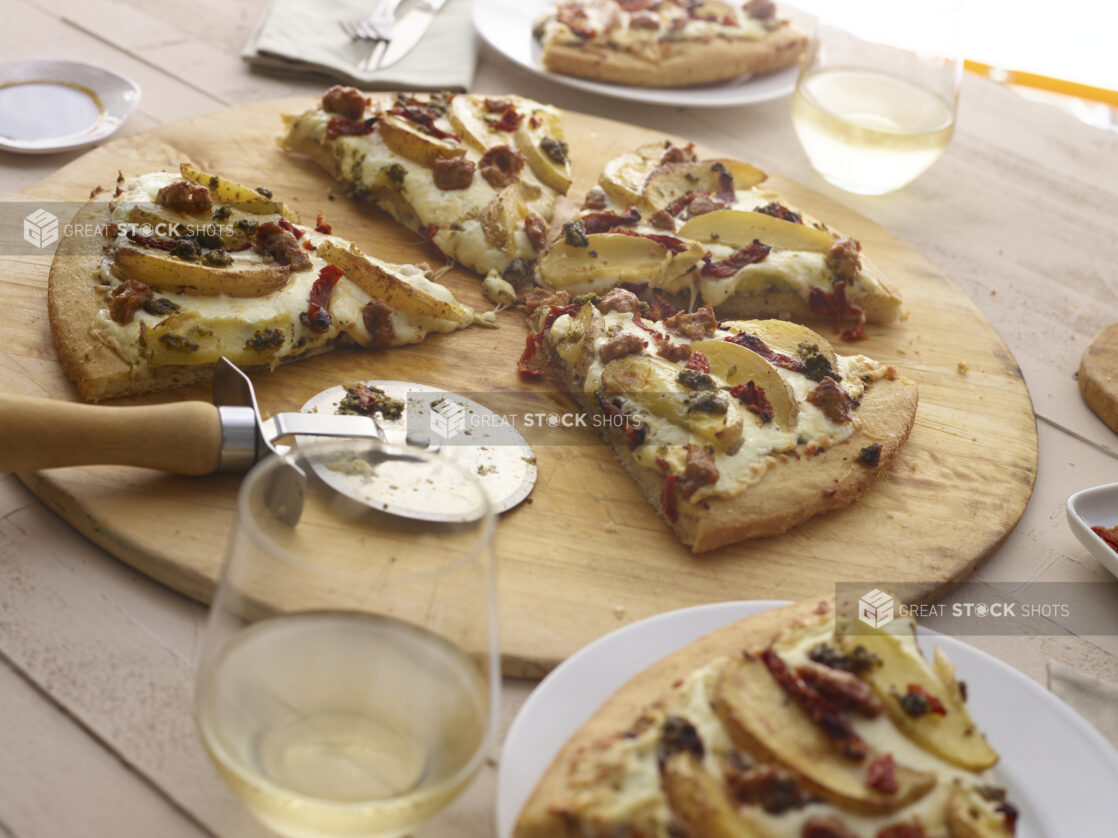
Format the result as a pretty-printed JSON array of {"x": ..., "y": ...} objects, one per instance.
[
  {"x": 541, "y": 817},
  {"x": 882, "y": 306},
  {"x": 791, "y": 492},
  {"x": 73, "y": 303},
  {"x": 802, "y": 488},
  {"x": 300, "y": 143},
  {"x": 690, "y": 63}
]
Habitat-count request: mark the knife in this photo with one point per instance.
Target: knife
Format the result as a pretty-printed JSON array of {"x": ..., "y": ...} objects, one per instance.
[{"x": 409, "y": 30}]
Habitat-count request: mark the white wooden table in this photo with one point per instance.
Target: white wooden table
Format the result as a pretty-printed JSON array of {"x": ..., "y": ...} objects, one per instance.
[{"x": 96, "y": 737}]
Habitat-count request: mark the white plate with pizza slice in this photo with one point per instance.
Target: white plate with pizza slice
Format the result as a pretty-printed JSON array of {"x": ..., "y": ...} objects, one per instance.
[
  {"x": 506, "y": 25},
  {"x": 1059, "y": 771}
]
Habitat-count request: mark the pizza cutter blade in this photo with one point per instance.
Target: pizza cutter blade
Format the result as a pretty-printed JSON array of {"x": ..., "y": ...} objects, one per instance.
[
  {"x": 460, "y": 429},
  {"x": 488, "y": 447}
]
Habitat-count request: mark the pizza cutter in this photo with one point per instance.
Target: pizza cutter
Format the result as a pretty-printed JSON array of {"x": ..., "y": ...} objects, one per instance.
[
  {"x": 197, "y": 438},
  {"x": 462, "y": 430}
]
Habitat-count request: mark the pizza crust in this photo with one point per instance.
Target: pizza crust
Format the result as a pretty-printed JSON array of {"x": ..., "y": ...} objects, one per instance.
[
  {"x": 690, "y": 63},
  {"x": 790, "y": 492},
  {"x": 73, "y": 303},
  {"x": 541, "y": 816},
  {"x": 107, "y": 362},
  {"x": 881, "y": 305}
]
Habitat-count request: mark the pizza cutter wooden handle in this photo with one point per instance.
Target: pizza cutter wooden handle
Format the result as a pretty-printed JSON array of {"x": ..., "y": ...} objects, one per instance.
[{"x": 184, "y": 437}]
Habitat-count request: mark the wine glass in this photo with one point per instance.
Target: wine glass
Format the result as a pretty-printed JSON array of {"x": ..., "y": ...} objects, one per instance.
[
  {"x": 876, "y": 97},
  {"x": 348, "y": 676}
]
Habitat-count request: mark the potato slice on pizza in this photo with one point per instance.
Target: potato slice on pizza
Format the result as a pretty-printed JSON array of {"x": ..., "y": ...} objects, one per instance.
[
  {"x": 194, "y": 267},
  {"x": 476, "y": 176},
  {"x": 732, "y": 430},
  {"x": 757, "y": 256},
  {"x": 769, "y": 727}
]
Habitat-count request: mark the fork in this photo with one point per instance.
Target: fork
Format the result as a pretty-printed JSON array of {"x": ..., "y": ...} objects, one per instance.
[{"x": 377, "y": 28}]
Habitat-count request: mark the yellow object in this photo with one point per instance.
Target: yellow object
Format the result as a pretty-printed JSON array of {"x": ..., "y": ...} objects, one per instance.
[{"x": 1068, "y": 88}]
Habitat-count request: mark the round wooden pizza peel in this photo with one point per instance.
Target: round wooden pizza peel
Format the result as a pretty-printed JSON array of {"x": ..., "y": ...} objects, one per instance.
[
  {"x": 586, "y": 554},
  {"x": 1098, "y": 375}
]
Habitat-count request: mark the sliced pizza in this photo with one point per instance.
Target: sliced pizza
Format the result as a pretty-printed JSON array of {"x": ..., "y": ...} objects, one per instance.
[
  {"x": 195, "y": 267},
  {"x": 476, "y": 176},
  {"x": 780, "y": 726},
  {"x": 708, "y": 231},
  {"x": 668, "y": 43},
  {"x": 731, "y": 430}
]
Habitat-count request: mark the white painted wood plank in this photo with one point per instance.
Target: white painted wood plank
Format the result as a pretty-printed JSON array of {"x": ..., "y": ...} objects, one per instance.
[
  {"x": 201, "y": 48},
  {"x": 112, "y": 648},
  {"x": 32, "y": 32},
  {"x": 44, "y": 751}
]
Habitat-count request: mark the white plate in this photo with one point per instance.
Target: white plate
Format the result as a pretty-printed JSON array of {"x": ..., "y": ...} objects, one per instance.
[
  {"x": 1060, "y": 772},
  {"x": 80, "y": 121},
  {"x": 1097, "y": 507},
  {"x": 507, "y": 26}
]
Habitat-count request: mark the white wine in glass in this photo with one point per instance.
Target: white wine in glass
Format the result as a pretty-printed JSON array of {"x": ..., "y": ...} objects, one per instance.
[
  {"x": 871, "y": 116},
  {"x": 348, "y": 678}
]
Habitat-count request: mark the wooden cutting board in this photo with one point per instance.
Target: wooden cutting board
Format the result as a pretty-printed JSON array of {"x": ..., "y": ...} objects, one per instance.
[
  {"x": 586, "y": 555},
  {"x": 1098, "y": 375}
]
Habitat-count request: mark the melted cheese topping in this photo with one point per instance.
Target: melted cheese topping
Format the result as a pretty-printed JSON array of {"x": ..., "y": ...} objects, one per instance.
[
  {"x": 794, "y": 271},
  {"x": 363, "y": 160},
  {"x": 223, "y": 325},
  {"x": 635, "y": 797},
  {"x": 762, "y": 443},
  {"x": 612, "y": 27}
]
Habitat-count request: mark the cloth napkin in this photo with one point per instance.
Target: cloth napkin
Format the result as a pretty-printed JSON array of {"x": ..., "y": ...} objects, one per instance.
[
  {"x": 302, "y": 37},
  {"x": 1094, "y": 700}
]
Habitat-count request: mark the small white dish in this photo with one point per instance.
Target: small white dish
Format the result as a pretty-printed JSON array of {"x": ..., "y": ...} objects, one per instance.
[
  {"x": 506, "y": 25},
  {"x": 1097, "y": 507},
  {"x": 48, "y": 106},
  {"x": 1060, "y": 772}
]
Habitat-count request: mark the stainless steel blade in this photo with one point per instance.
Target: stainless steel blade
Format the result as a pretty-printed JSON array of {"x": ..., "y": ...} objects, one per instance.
[
  {"x": 492, "y": 449},
  {"x": 250, "y": 437},
  {"x": 409, "y": 30},
  {"x": 283, "y": 425}
]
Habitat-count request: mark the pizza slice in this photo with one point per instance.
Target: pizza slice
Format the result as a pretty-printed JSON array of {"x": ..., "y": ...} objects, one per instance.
[
  {"x": 194, "y": 267},
  {"x": 708, "y": 231},
  {"x": 476, "y": 176},
  {"x": 669, "y": 43},
  {"x": 779, "y": 726},
  {"x": 731, "y": 430}
]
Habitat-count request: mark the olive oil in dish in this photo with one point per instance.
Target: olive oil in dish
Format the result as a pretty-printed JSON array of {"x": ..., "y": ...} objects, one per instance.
[{"x": 40, "y": 110}]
